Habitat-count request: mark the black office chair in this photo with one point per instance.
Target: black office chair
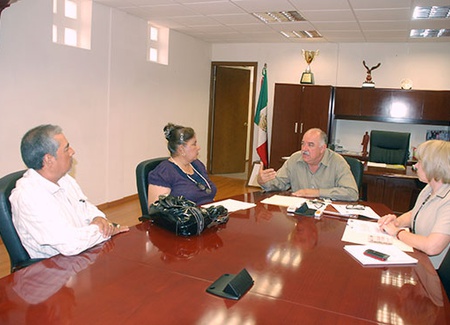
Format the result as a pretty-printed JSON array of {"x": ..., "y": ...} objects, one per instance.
[
  {"x": 389, "y": 147},
  {"x": 357, "y": 168},
  {"x": 444, "y": 273},
  {"x": 142, "y": 170},
  {"x": 17, "y": 254}
]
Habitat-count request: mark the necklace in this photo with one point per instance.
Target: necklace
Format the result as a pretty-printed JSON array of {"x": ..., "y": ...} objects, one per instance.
[
  {"x": 202, "y": 187},
  {"x": 417, "y": 213}
]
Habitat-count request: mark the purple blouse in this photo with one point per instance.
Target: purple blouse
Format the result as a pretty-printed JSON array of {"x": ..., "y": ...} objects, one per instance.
[{"x": 167, "y": 174}]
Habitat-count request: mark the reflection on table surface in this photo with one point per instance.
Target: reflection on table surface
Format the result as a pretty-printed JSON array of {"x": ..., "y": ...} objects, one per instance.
[{"x": 301, "y": 275}]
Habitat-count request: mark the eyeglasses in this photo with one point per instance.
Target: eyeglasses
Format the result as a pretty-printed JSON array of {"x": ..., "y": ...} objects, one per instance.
[
  {"x": 355, "y": 207},
  {"x": 317, "y": 204}
]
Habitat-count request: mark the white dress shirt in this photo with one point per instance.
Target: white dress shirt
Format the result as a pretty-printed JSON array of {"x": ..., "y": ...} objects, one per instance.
[{"x": 52, "y": 219}]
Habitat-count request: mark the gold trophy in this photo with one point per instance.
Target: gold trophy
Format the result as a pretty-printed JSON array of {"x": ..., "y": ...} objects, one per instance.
[{"x": 308, "y": 76}]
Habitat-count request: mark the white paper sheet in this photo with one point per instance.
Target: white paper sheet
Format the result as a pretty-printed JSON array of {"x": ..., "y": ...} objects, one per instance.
[
  {"x": 396, "y": 256},
  {"x": 367, "y": 212},
  {"x": 284, "y": 200},
  {"x": 232, "y": 205},
  {"x": 366, "y": 232}
]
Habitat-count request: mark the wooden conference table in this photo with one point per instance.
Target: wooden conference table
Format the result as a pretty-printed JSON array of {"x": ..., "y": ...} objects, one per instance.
[{"x": 301, "y": 273}]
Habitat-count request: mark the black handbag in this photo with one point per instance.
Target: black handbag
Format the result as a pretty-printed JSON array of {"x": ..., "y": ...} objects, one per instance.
[{"x": 183, "y": 217}]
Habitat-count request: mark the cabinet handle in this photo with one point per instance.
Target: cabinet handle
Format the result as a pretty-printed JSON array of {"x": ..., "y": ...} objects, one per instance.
[
  {"x": 301, "y": 127},
  {"x": 295, "y": 127}
]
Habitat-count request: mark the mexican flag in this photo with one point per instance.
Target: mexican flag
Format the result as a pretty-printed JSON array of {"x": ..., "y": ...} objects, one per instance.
[{"x": 261, "y": 120}]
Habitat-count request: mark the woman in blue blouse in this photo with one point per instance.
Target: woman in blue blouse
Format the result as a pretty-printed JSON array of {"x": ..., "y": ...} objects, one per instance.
[{"x": 182, "y": 174}]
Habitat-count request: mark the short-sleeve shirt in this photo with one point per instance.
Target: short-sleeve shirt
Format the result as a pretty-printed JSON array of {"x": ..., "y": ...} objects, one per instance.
[
  {"x": 169, "y": 175},
  {"x": 433, "y": 216}
]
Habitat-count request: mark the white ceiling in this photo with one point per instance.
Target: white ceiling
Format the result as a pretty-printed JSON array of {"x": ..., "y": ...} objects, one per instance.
[{"x": 339, "y": 21}]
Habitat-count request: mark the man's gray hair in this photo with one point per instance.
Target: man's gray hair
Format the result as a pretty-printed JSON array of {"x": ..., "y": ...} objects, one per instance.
[
  {"x": 38, "y": 142},
  {"x": 323, "y": 136}
]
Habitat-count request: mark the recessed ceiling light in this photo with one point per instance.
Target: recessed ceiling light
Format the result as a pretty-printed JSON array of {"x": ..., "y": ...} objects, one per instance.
[
  {"x": 432, "y": 12},
  {"x": 426, "y": 33},
  {"x": 302, "y": 34},
  {"x": 278, "y": 16}
]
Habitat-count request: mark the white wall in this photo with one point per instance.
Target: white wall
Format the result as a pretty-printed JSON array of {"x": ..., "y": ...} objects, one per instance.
[
  {"x": 426, "y": 64},
  {"x": 111, "y": 102}
]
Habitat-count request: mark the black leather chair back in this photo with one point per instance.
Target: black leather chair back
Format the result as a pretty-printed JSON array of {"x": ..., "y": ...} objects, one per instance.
[
  {"x": 357, "y": 168},
  {"x": 142, "y": 170},
  {"x": 17, "y": 254},
  {"x": 444, "y": 273},
  {"x": 389, "y": 147}
]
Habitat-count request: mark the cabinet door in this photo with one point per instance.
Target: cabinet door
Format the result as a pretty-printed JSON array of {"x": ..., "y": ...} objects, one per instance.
[
  {"x": 391, "y": 104},
  {"x": 347, "y": 101},
  {"x": 406, "y": 104},
  {"x": 375, "y": 102},
  {"x": 315, "y": 109},
  {"x": 296, "y": 109},
  {"x": 285, "y": 125},
  {"x": 436, "y": 106}
]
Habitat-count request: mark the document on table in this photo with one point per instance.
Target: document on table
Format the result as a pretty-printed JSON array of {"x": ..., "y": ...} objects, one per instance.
[
  {"x": 232, "y": 205},
  {"x": 383, "y": 165},
  {"x": 284, "y": 200},
  {"x": 345, "y": 210},
  {"x": 366, "y": 232},
  {"x": 396, "y": 256}
]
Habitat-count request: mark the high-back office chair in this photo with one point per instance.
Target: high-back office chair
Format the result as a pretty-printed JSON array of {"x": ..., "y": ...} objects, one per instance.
[
  {"x": 444, "y": 273},
  {"x": 357, "y": 168},
  {"x": 17, "y": 254},
  {"x": 389, "y": 147},
  {"x": 142, "y": 170}
]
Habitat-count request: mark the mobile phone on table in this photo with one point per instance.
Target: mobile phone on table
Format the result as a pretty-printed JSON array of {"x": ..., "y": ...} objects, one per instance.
[{"x": 376, "y": 254}]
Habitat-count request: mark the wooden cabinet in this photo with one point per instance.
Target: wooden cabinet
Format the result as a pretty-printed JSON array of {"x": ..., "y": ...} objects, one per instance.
[
  {"x": 436, "y": 106},
  {"x": 388, "y": 104},
  {"x": 398, "y": 190},
  {"x": 296, "y": 109},
  {"x": 393, "y": 105},
  {"x": 347, "y": 101}
]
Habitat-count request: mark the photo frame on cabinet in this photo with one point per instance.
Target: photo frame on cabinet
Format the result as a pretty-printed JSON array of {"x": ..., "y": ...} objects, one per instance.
[{"x": 252, "y": 179}]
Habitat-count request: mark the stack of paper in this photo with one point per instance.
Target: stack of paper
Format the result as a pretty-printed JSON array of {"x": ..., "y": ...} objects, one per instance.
[
  {"x": 346, "y": 210},
  {"x": 366, "y": 232},
  {"x": 396, "y": 256},
  {"x": 383, "y": 165},
  {"x": 284, "y": 201}
]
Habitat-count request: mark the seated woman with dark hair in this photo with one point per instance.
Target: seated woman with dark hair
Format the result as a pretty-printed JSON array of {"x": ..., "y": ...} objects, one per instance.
[
  {"x": 182, "y": 174},
  {"x": 429, "y": 220}
]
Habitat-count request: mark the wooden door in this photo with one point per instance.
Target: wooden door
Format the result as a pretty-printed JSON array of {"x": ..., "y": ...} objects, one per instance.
[{"x": 229, "y": 120}]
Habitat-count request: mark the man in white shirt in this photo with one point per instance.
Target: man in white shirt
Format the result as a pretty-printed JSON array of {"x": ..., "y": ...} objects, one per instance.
[{"x": 50, "y": 212}]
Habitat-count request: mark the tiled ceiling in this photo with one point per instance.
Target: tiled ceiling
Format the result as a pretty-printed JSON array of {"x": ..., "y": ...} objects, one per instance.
[{"x": 338, "y": 21}]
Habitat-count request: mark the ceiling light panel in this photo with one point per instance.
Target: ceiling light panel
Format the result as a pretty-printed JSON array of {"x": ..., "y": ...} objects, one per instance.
[
  {"x": 278, "y": 16},
  {"x": 427, "y": 33},
  {"x": 433, "y": 12},
  {"x": 302, "y": 34}
]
